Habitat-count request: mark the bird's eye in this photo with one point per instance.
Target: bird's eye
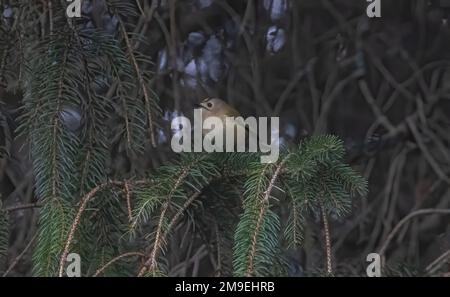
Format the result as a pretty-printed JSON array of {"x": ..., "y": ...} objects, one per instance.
[{"x": 209, "y": 104}]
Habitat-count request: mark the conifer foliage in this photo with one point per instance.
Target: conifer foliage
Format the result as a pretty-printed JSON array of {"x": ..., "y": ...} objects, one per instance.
[{"x": 125, "y": 225}]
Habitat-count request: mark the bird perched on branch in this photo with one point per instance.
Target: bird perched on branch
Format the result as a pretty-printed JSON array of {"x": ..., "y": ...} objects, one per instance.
[{"x": 215, "y": 107}]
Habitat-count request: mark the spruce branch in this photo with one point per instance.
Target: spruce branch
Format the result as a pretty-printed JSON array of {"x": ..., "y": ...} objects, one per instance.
[
  {"x": 126, "y": 101},
  {"x": 151, "y": 263},
  {"x": 256, "y": 234},
  {"x": 293, "y": 232},
  {"x": 189, "y": 169},
  {"x": 322, "y": 184},
  {"x": 83, "y": 203},
  {"x": 181, "y": 211},
  {"x": 120, "y": 10},
  {"x": 53, "y": 147},
  {"x": 115, "y": 259},
  {"x": 92, "y": 159},
  {"x": 265, "y": 203},
  {"x": 141, "y": 82}
]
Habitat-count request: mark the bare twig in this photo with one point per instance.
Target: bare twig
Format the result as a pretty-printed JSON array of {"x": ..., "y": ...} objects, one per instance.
[
  {"x": 103, "y": 268},
  {"x": 326, "y": 229},
  {"x": 394, "y": 231},
  {"x": 428, "y": 156},
  {"x": 128, "y": 198},
  {"x": 23, "y": 206},
  {"x": 381, "y": 117},
  {"x": 20, "y": 256},
  {"x": 436, "y": 264},
  {"x": 181, "y": 211}
]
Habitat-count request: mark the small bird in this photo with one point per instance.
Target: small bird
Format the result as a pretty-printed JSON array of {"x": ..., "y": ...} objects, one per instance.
[{"x": 215, "y": 107}]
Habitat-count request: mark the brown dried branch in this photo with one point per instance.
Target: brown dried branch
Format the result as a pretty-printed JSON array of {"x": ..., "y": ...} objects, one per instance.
[
  {"x": 112, "y": 261},
  {"x": 394, "y": 231}
]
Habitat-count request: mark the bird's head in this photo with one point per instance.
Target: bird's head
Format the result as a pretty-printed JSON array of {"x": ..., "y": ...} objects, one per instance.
[{"x": 216, "y": 107}]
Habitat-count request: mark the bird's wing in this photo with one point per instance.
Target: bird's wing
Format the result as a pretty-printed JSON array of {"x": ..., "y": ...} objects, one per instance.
[{"x": 228, "y": 110}]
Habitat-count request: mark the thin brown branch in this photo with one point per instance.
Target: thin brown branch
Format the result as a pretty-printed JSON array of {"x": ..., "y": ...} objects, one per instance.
[
  {"x": 20, "y": 256},
  {"x": 151, "y": 262},
  {"x": 180, "y": 212},
  {"x": 83, "y": 203},
  {"x": 381, "y": 117},
  {"x": 219, "y": 250},
  {"x": 326, "y": 229},
  {"x": 394, "y": 231},
  {"x": 436, "y": 264},
  {"x": 23, "y": 206},
  {"x": 128, "y": 198},
  {"x": 263, "y": 208},
  {"x": 141, "y": 82},
  {"x": 428, "y": 155},
  {"x": 112, "y": 261}
]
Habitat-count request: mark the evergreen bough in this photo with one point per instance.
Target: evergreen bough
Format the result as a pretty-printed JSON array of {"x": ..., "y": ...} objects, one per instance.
[{"x": 108, "y": 220}]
